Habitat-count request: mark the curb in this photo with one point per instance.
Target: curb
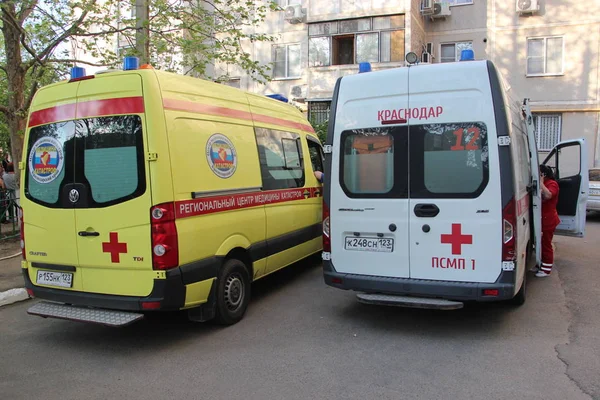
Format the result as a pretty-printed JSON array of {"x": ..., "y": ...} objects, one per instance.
[{"x": 13, "y": 296}]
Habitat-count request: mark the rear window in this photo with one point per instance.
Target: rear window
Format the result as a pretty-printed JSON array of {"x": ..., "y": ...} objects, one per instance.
[
  {"x": 374, "y": 162},
  {"x": 102, "y": 156},
  {"x": 595, "y": 175},
  {"x": 448, "y": 160}
]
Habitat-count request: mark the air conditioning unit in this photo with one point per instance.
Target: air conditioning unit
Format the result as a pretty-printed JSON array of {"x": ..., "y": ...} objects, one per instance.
[
  {"x": 427, "y": 7},
  {"x": 528, "y": 6},
  {"x": 427, "y": 54},
  {"x": 298, "y": 92},
  {"x": 294, "y": 14},
  {"x": 440, "y": 10}
]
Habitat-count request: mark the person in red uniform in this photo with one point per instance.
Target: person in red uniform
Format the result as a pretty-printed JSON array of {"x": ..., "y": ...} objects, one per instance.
[{"x": 550, "y": 219}]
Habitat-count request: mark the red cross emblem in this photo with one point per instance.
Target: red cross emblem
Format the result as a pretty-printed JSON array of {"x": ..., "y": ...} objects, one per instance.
[
  {"x": 457, "y": 239},
  {"x": 114, "y": 247}
]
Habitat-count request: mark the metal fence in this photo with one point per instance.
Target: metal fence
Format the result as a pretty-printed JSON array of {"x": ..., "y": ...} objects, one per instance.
[{"x": 9, "y": 214}]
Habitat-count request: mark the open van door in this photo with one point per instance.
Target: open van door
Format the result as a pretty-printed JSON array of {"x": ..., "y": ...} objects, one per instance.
[
  {"x": 536, "y": 197},
  {"x": 568, "y": 160}
]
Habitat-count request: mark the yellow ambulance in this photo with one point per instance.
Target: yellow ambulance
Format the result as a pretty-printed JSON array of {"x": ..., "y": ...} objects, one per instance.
[{"x": 148, "y": 191}]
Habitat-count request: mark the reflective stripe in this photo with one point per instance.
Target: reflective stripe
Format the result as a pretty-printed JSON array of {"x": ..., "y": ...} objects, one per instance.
[{"x": 545, "y": 268}]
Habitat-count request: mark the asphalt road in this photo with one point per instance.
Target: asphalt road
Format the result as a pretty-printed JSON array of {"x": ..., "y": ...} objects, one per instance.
[{"x": 303, "y": 340}]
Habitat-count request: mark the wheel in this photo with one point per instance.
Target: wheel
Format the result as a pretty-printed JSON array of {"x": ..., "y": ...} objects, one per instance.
[
  {"x": 519, "y": 298},
  {"x": 233, "y": 292}
]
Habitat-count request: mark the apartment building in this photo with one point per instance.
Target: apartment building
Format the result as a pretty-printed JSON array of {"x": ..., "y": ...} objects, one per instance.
[{"x": 547, "y": 49}]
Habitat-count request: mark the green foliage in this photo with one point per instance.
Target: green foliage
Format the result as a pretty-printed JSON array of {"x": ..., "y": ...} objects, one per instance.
[
  {"x": 320, "y": 129},
  {"x": 41, "y": 39}
]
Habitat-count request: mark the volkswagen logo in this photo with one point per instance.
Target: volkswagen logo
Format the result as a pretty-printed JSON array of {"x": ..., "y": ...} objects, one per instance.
[{"x": 74, "y": 196}]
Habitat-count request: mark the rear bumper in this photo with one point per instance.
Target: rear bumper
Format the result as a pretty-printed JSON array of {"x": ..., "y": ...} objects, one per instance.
[
  {"x": 593, "y": 204},
  {"x": 170, "y": 292},
  {"x": 460, "y": 291}
]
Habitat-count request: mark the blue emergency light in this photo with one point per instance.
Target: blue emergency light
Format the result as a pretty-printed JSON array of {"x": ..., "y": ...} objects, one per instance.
[
  {"x": 278, "y": 97},
  {"x": 131, "y": 63},
  {"x": 77, "y": 72},
  {"x": 364, "y": 67},
  {"x": 467, "y": 55}
]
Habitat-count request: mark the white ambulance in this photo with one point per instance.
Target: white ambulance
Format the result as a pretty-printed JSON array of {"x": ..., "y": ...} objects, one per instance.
[{"x": 431, "y": 191}]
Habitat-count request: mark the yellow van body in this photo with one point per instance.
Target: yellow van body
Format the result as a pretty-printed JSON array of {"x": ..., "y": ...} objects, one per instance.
[{"x": 137, "y": 187}]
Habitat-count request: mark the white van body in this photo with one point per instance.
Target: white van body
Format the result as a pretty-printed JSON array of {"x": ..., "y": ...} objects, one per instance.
[{"x": 431, "y": 187}]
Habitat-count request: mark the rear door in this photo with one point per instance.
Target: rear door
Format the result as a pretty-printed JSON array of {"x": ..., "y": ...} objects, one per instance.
[
  {"x": 455, "y": 200},
  {"x": 50, "y": 238},
  {"x": 569, "y": 161},
  {"x": 369, "y": 194},
  {"x": 111, "y": 189}
]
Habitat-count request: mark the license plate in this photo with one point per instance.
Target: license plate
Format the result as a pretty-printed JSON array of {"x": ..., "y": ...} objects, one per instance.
[
  {"x": 369, "y": 244},
  {"x": 595, "y": 192},
  {"x": 60, "y": 279}
]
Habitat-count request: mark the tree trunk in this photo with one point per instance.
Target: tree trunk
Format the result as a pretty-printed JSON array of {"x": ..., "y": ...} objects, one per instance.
[{"x": 15, "y": 72}]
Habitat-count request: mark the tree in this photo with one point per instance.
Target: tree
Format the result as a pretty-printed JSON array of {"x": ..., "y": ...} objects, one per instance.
[{"x": 184, "y": 35}]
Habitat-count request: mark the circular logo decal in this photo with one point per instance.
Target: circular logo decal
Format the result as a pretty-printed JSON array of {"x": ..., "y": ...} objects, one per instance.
[
  {"x": 46, "y": 160},
  {"x": 221, "y": 155}
]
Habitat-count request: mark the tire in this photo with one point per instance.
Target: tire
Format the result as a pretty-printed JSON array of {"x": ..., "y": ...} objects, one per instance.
[
  {"x": 233, "y": 292},
  {"x": 521, "y": 295}
]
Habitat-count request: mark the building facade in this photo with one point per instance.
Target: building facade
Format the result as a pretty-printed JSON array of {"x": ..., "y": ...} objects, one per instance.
[{"x": 549, "y": 50}]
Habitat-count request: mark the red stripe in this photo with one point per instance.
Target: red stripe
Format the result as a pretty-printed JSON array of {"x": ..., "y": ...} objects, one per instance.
[
  {"x": 188, "y": 106},
  {"x": 214, "y": 204},
  {"x": 53, "y": 114},
  {"x": 523, "y": 205},
  {"x": 99, "y": 108},
  {"x": 87, "y": 109}
]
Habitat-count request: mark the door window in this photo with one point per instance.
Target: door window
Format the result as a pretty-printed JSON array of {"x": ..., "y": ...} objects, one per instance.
[
  {"x": 448, "y": 160},
  {"x": 49, "y": 160},
  {"x": 112, "y": 157},
  {"x": 374, "y": 162},
  {"x": 316, "y": 155},
  {"x": 281, "y": 160},
  {"x": 105, "y": 155}
]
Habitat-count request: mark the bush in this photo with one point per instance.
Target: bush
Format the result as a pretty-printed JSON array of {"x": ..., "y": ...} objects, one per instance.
[{"x": 320, "y": 129}]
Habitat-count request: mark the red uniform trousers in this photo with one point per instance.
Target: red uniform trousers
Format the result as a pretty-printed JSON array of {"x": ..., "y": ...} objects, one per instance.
[{"x": 547, "y": 250}]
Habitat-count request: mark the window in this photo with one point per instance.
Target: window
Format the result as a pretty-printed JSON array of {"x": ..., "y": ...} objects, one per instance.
[
  {"x": 318, "y": 111},
  {"x": 594, "y": 175},
  {"x": 377, "y": 39},
  {"x": 287, "y": 61},
  {"x": 44, "y": 178},
  {"x": 448, "y": 160},
  {"x": 319, "y": 54},
  {"x": 233, "y": 83},
  {"x": 342, "y": 49},
  {"x": 547, "y": 130},
  {"x": 450, "y": 52},
  {"x": 111, "y": 156},
  {"x": 458, "y": 2},
  {"x": 103, "y": 155},
  {"x": 281, "y": 160},
  {"x": 374, "y": 162},
  {"x": 367, "y": 47},
  {"x": 545, "y": 56},
  {"x": 316, "y": 155}
]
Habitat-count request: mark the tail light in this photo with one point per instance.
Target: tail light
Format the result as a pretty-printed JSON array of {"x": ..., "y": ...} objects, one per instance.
[
  {"x": 165, "y": 251},
  {"x": 326, "y": 228},
  {"x": 22, "y": 233},
  {"x": 509, "y": 222}
]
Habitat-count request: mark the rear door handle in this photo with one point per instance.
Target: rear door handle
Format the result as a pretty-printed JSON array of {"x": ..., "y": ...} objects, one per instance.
[
  {"x": 86, "y": 233},
  {"x": 426, "y": 210}
]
